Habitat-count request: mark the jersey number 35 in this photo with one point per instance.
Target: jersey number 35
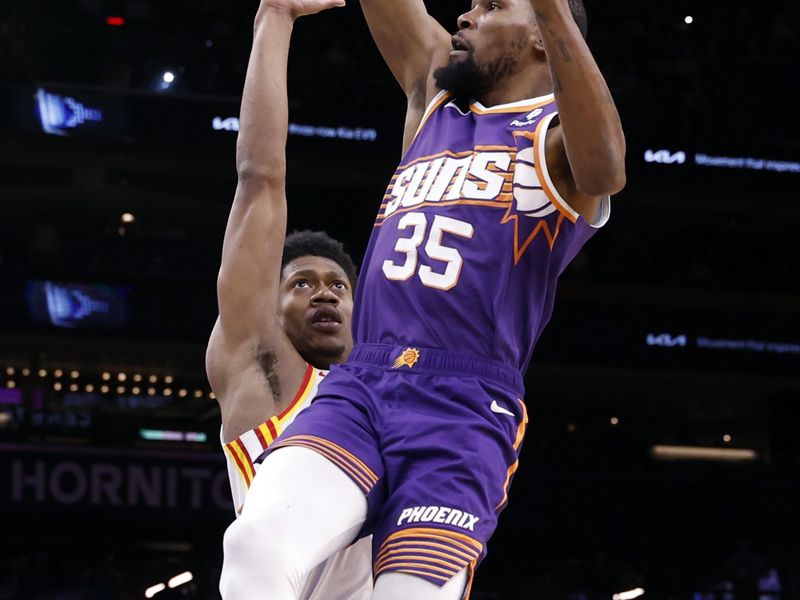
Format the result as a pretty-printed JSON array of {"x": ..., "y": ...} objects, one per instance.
[{"x": 433, "y": 248}]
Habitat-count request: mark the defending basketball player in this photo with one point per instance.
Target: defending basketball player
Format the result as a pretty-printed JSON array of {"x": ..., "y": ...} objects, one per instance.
[
  {"x": 285, "y": 308},
  {"x": 512, "y": 149}
]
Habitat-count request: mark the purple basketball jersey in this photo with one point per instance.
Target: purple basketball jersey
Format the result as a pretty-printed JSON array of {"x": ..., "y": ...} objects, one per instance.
[
  {"x": 426, "y": 416},
  {"x": 471, "y": 236}
]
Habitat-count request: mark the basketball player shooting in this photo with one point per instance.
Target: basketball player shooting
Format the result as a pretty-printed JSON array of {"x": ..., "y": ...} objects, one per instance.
[
  {"x": 285, "y": 306},
  {"x": 512, "y": 149}
]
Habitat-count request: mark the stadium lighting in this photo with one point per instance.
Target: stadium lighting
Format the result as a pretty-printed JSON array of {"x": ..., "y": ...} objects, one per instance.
[
  {"x": 615, "y": 420},
  {"x": 162, "y": 435},
  {"x": 154, "y": 589},
  {"x": 127, "y": 217},
  {"x": 689, "y": 19},
  {"x": 11, "y": 384},
  {"x": 166, "y": 80},
  {"x": 629, "y": 595},
  {"x": 10, "y": 371},
  {"x": 180, "y": 579},
  {"x": 74, "y": 374},
  {"x": 158, "y": 435},
  {"x": 704, "y": 453},
  {"x": 26, "y": 372},
  {"x": 727, "y": 438}
]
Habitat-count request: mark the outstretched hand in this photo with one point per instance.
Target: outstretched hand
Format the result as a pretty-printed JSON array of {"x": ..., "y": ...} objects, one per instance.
[{"x": 301, "y": 8}]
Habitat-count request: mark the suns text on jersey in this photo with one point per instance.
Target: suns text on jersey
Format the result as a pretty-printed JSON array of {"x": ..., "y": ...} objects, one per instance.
[{"x": 471, "y": 175}]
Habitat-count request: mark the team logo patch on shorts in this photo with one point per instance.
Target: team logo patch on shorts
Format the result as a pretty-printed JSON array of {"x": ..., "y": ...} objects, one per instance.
[
  {"x": 438, "y": 514},
  {"x": 408, "y": 358}
]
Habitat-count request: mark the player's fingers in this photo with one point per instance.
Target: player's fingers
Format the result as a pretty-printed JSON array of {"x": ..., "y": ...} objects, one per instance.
[{"x": 316, "y": 7}]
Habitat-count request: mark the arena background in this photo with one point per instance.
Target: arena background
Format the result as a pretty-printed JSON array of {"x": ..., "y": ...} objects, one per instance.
[{"x": 663, "y": 454}]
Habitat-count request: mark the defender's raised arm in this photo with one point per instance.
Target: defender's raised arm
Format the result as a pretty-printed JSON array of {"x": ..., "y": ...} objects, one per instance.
[{"x": 248, "y": 333}]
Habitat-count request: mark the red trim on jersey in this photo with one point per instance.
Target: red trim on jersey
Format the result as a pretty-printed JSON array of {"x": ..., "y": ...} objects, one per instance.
[
  {"x": 261, "y": 438},
  {"x": 272, "y": 429},
  {"x": 238, "y": 462},
  {"x": 300, "y": 391},
  {"x": 252, "y": 471}
]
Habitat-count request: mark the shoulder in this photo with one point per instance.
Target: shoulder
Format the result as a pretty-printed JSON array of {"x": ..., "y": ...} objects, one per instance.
[{"x": 251, "y": 379}]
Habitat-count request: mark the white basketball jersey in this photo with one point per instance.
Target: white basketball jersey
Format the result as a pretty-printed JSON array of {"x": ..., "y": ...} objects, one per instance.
[{"x": 347, "y": 575}]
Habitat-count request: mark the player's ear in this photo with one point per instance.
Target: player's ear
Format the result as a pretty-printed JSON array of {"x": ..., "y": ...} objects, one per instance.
[{"x": 536, "y": 39}]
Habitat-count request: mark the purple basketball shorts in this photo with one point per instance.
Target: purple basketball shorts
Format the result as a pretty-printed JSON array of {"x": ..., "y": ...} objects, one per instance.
[{"x": 432, "y": 438}]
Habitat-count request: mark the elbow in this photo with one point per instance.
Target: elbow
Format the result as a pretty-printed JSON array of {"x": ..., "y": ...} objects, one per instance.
[
  {"x": 604, "y": 177},
  {"x": 606, "y": 184},
  {"x": 269, "y": 171}
]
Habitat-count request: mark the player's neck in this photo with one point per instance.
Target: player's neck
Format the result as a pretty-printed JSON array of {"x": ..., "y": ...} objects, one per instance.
[{"x": 532, "y": 82}]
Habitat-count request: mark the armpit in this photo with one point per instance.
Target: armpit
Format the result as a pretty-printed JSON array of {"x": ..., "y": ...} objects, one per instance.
[{"x": 268, "y": 363}]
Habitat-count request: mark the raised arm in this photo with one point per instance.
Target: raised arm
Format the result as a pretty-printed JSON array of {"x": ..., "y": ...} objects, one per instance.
[
  {"x": 413, "y": 44},
  {"x": 590, "y": 135},
  {"x": 247, "y": 286}
]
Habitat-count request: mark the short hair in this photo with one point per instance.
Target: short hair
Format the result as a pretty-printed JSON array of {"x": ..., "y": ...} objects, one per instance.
[
  {"x": 578, "y": 11},
  {"x": 319, "y": 243}
]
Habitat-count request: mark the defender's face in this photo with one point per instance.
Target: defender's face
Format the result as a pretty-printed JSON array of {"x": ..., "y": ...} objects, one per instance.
[
  {"x": 494, "y": 32},
  {"x": 316, "y": 308}
]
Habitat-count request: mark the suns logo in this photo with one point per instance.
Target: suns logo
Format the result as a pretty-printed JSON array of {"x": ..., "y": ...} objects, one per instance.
[
  {"x": 529, "y": 197},
  {"x": 534, "y": 212}
]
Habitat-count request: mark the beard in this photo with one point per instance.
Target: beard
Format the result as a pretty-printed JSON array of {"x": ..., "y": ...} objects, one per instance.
[
  {"x": 469, "y": 80},
  {"x": 465, "y": 79}
]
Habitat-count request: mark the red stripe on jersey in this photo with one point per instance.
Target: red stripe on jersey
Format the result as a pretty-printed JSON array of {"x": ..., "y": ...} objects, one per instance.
[
  {"x": 272, "y": 430},
  {"x": 261, "y": 438},
  {"x": 239, "y": 463},
  {"x": 300, "y": 392},
  {"x": 252, "y": 471}
]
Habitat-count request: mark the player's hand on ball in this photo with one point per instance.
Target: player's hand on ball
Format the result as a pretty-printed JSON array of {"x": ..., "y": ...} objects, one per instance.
[{"x": 301, "y": 8}]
